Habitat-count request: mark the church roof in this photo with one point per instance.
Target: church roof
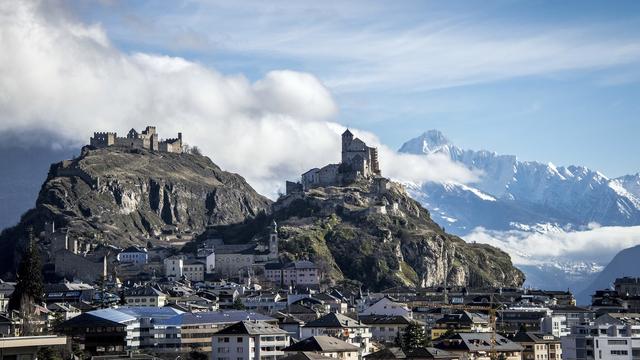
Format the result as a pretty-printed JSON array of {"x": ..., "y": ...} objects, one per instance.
[{"x": 347, "y": 132}]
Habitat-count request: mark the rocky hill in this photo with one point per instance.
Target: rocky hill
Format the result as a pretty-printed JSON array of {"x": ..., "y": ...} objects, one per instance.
[
  {"x": 132, "y": 196},
  {"x": 374, "y": 233}
]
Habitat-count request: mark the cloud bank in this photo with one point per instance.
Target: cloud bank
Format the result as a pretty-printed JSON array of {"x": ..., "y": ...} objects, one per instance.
[
  {"x": 596, "y": 244},
  {"x": 66, "y": 78}
]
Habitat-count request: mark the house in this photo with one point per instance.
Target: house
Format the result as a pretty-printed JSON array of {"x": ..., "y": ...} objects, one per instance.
[
  {"x": 514, "y": 319},
  {"x": 174, "y": 267},
  {"x": 249, "y": 340},
  {"x": 266, "y": 303},
  {"x": 538, "y": 346},
  {"x": 396, "y": 353},
  {"x": 290, "y": 324},
  {"x": 194, "y": 270},
  {"x": 574, "y": 315},
  {"x": 96, "y": 335},
  {"x": 145, "y": 296},
  {"x": 460, "y": 321},
  {"x": 184, "y": 331},
  {"x": 478, "y": 346},
  {"x": 386, "y": 328},
  {"x": 297, "y": 273},
  {"x": 325, "y": 345},
  {"x": 342, "y": 327},
  {"x": 388, "y": 306},
  {"x": 555, "y": 324},
  {"x": 303, "y": 312},
  {"x": 133, "y": 255}
]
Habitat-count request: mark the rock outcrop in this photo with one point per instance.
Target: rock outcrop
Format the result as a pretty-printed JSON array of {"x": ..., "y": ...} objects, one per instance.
[
  {"x": 127, "y": 197},
  {"x": 374, "y": 233}
]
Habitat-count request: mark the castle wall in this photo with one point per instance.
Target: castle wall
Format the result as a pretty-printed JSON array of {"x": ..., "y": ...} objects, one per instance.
[{"x": 147, "y": 139}]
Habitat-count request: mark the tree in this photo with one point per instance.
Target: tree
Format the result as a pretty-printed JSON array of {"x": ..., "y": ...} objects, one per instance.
[
  {"x": 29, "y": 289},
  {"x": 196, "y": 150},
  {"x": 238, "y": 305},
  {"x": 196, "y": 354},
  {"x": 414, "y": 337}
]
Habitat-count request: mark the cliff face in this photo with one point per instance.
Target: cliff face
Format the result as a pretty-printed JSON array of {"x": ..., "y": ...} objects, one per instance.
[
  {"x": 129, "y": 197},
  {"x": 373, "y": 232}
]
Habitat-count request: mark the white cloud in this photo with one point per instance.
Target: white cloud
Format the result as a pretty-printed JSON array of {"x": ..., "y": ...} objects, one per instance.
[
  {"x": 356, "y": 46},
  {"x": 64, "y": 77},
  {"x": 596, "y": 243}
]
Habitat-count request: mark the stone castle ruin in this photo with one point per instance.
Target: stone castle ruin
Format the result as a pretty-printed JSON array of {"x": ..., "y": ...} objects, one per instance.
[
  {"x": 359, "y": 161},
  {"x": 147, "y": 139}
]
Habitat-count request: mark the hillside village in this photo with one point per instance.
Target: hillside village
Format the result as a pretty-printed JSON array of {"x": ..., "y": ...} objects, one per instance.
[{"x": 233, "y": 299}]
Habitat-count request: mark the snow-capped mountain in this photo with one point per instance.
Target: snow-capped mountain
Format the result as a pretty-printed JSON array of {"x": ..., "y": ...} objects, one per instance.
[
  {"x": 512, "y": 192},
  {"x": 513, "y": 198}
]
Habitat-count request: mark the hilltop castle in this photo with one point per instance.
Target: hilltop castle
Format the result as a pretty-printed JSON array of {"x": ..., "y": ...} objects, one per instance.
[
  {"x": 147, "y": 139},
  {"x": 359, "y": 161}
]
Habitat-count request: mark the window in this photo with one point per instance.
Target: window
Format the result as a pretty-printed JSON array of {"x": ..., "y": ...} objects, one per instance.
[
  {"x": 239, "y": 349},
  {"x": 239, "y": 339},
  {"x": 617, "y": 342},
  {"x": 619, "y": 352}
]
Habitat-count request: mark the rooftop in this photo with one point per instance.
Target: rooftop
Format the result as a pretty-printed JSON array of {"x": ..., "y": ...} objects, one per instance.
[
  {"x": 251, "y": 328},
  {"x": 321, "y": 344}
]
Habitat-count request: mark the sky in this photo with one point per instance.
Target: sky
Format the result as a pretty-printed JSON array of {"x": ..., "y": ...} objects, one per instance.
[{"x": 545, "y": 80}]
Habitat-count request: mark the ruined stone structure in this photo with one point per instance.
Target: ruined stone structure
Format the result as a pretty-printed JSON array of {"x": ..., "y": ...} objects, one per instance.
[
  {"x": 359, "y": 161},
  {"x": 147, "y": 139}
]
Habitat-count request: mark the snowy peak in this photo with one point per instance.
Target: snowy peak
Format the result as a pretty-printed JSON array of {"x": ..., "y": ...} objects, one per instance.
[{"x": 429, "y": 142}]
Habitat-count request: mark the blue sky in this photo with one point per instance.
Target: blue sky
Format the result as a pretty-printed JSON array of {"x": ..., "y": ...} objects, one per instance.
[{"x": 545, "y": 80}]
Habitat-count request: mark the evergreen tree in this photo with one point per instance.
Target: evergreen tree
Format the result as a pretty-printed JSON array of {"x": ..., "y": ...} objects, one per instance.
[
  {"x": 29, "y": 289},
  {"x": 238, "y": 305},
  {"x": 414, "y": 337}
]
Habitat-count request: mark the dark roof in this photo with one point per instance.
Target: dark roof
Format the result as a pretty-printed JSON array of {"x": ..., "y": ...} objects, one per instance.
[
  {"x": 211, "y": 317},
  {"x": 334, "y": 320},
  {"x": 463, "y": 317},
  {"x": 143, "y": 291},
  {"x": 301, "y": 264},
  {"x": 301, "y": 309},
  {"x": 251, "y": 328},
  {"x": 474, "y": 342},
  {"x": 534, "y": 337},
  {"x": 419, "y": 353},
  {"x": 568, "y": 308},
  {"x": 322, "y": 344},
  {"x": 386, "y": 319},
  {"x": 306, "y": 356},
  {"x": 134, "y": 249},
  {"x": 87, "y": 320}
]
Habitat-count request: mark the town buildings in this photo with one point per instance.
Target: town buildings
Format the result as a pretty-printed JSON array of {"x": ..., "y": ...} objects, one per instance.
[{"x": 249, "y": 340}]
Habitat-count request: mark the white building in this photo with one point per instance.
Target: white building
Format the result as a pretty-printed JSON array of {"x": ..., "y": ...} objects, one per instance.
[
  {"x": 210, "y": 263},
  {"x": 133, "y": 255},
  {"x": 145, "y": 296},
  {"x": 387, "y": 306},
  {"x": 173, "y": 267},
  {"x": 325, "y": 345},
  {"x": 555, "y": 324},
  {"x": 342, "y": 327},
  {"x": 611, "y": 336},
  {"x": 249, "y": 340},
  {"x": 297, "y": 273}
]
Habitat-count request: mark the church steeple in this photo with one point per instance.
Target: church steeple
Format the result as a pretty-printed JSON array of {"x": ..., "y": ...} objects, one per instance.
[{"x": 273, "y": 241}]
